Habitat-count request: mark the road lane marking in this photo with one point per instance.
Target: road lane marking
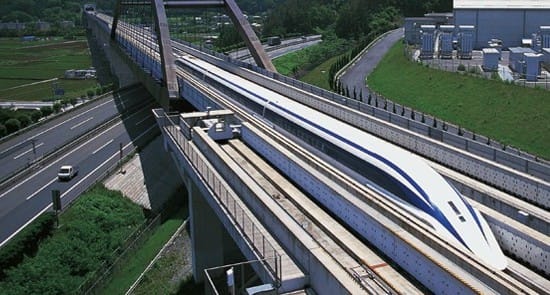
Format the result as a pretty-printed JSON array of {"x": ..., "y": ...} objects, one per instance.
[
  {"x": 80, "y": 114},
  {"x": 101, "y": 147},
  {"x": 106, "y": 161},
  {"x": 72, "y": 187},
  {"x": 77, "y": 125},
  {"x": 141, "y": 121},
  {"x": 27, "y": 151},
  {"x": 64, "y": 156},
  {"x": 40, "y": 189}
]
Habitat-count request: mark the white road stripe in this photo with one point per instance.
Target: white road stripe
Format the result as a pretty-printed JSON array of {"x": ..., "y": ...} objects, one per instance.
[
  {"x": 27, "y": 151},
  {"x": 106, "y": 144},
  {"x": 40, "y": 189},
  {"x": 77, "y": 125},
  {"x": 141, "y": 121},
  {"x": 71, "y": 188}
]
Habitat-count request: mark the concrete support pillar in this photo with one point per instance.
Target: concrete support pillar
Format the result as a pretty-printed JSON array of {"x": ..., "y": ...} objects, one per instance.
[
  {"x": 206, "y": 234},
  {"x": 119, "y": 67}
]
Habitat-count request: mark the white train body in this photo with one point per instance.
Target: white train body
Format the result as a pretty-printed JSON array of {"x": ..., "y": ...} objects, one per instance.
[{"x": 425, "y": 193}]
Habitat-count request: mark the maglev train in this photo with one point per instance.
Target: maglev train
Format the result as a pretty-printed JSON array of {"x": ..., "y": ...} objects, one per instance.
[{"x": 404, "y": 178}]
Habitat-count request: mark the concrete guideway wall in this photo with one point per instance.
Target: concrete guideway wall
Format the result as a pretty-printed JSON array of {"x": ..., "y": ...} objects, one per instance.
[
  {"x": 483, "y": 167},
  {"x": 534, "y": 190},
  {"x": 374, "y": 226},
  {"x": 518, "y": 240},
  {"x": 212, "y": 196},
  {"x": 315, "y": 261}
]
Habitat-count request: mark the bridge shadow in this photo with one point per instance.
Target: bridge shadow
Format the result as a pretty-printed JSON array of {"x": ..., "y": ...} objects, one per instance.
[{"x": 150, "y": 178}]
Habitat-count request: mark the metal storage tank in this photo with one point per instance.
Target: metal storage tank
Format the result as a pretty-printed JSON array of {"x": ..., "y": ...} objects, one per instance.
[
  {"x": 446, "y": 41},
  {"x": 508, "y": 20},
  {"x": 532, "y": 64},
  {"x": 427, "y": 50},
  {"x": 465, "y": 41},
  {"x": 545, "y": 36},
  {"x": 516, "y": 58},
  {"x": 490, "y": 59}
]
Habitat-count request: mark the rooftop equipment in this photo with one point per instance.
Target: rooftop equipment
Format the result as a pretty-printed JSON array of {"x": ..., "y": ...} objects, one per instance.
[
  {"x": 490, "y": 59},
  {"x": 532, "y": 64},
  {"x": 446, "y": 41},
  {"x": 516, "y": 59},
  {"x": 545, "y": 36},
  {"x": 427, "y": 37},
  {"x": 465, "y": 41}
]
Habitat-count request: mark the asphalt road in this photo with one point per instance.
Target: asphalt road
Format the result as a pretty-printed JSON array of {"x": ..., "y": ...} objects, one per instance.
[
  {"x": 355, "y": 76},
  {"x": 22, "y": 202},
  {"x": 274, "y": 52},
  {"x": 17, "y": 152}
]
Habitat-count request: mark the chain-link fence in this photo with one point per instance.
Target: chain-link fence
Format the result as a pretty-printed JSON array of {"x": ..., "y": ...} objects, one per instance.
[{"x": 120, "y": 257}]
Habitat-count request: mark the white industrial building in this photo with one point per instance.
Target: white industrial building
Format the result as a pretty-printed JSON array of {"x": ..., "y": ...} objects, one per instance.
[{"x": 507, "y": 20}]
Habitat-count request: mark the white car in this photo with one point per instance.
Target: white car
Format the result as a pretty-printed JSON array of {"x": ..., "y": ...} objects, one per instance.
[{"x": 67, "y": 172}]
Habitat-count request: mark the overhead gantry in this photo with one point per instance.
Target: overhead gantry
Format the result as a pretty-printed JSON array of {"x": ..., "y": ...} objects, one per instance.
[{"x": 169, "y": 82}]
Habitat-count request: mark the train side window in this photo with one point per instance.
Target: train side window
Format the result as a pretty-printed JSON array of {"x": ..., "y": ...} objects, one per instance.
[{"x": 455, "y": 209}]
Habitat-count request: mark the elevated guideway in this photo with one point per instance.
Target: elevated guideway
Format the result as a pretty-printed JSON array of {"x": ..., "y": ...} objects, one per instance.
[{"x": 437, "y": 264}]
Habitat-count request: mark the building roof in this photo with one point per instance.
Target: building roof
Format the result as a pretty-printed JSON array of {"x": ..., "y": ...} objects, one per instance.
[{"x": 501, "y": 4}]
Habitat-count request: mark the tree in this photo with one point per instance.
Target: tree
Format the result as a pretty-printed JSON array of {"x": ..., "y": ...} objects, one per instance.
[
  {"x": 3, "y": 130},
  {"x": 36, "y": 115},
  {"x": 56, "y": 107},
  {"x": 46, "y": 111},
  {"x": 25, "y": 120},
  {"x": 12, "y": 125}
]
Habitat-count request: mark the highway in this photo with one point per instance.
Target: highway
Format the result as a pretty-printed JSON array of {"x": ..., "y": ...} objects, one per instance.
[
  {"x": 95, "y": 155},
  {"x": 18, "y": 153}
]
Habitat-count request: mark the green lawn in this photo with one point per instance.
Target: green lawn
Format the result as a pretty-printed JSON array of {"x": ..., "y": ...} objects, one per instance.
[
  {"x": 318, "y": 76},
  {"x": 127, "y": 275},
  {"x": 23, "y": 63},
  {"x": 511, "y": 114}
]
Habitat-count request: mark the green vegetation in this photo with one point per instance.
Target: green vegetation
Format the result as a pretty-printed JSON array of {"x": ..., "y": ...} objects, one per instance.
[
  {"x": 91, "y": 231},
  {"x": 296, "y": 63},
  {"x": 160, "y": 276},
  {"x": 513, "y": 115},
  {"x": 26, "y": 242},
  {"x": 30, "y": 70}
]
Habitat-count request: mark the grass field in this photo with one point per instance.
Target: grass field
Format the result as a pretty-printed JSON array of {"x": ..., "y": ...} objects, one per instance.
[
  {"x": 127, "y": 275},
  {"x": 26, "y": 67},
  {"x": 511, "y": 114},
  {"x": 318, "y": 76}
]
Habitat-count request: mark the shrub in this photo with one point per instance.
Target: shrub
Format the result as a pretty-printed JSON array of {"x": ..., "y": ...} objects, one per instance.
[
  {"x": 12, "y": 125},
  {"x": 3, "y": 130},
  {"x": 56, "y": 107},
  {"x": 26, "y": 242},
  {"x": 36, "y": 115},
  {"x": 93, "y": 228},
  {"x": 46, "y": 111},
  {"x": 461, "y": 67},
  {"x": 90, "y": 93},
  {"x": 25, "y": 120}
]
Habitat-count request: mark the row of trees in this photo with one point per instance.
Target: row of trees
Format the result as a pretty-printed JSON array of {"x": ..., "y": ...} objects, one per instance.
[
  {"x": 349, "y": 19},
  {"x": 12, "y": 121}
]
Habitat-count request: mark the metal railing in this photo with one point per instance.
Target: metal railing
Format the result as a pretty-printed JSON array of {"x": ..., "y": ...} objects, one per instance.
[{"x": 230, "y": 202}]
